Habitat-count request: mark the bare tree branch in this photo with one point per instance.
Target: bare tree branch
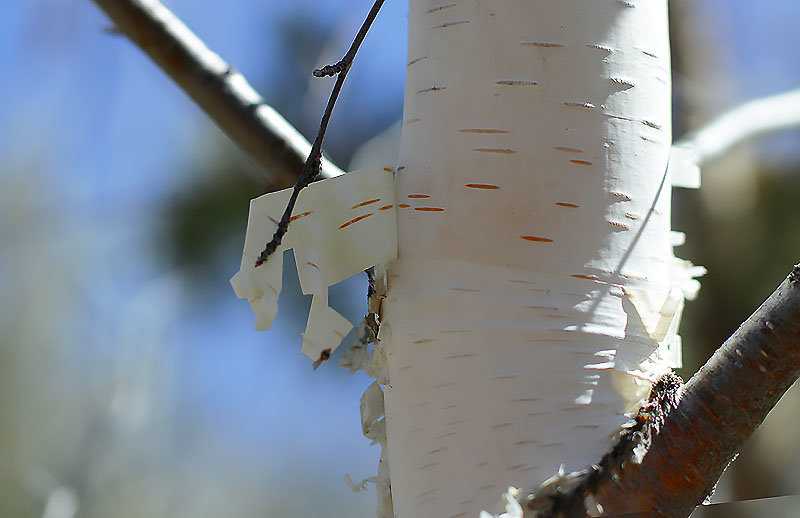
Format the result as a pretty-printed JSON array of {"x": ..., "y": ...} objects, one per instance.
[
  {"x": 753, "y": 118},
  {"x": 716, "y": 411},
  {"x": 219, "y": 90}
]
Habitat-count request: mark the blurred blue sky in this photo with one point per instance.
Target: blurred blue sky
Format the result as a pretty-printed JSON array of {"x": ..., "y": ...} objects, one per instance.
[{"x": 98, "y": 137}]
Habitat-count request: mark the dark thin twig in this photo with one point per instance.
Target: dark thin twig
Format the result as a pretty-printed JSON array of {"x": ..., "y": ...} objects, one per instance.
[{"x": 312, "y": 165}]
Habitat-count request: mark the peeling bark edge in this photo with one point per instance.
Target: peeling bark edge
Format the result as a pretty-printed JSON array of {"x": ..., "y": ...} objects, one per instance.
[
  {"x": 668, "y": 461},
  {"x": 216, "y": 87},
  {"x": 718, "y": 409}
]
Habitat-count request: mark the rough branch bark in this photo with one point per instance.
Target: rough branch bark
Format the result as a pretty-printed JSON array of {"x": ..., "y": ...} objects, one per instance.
[
  {"x": 220, "y": 91},
  {"x": 717, "y": 410}
]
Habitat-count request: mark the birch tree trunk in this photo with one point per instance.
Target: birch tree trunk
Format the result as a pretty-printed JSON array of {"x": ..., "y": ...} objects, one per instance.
[{"x": 535, "y": 296}]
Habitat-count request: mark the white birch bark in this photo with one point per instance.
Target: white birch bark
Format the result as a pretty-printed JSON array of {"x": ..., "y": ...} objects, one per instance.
[{"x": 534, "y": 296}]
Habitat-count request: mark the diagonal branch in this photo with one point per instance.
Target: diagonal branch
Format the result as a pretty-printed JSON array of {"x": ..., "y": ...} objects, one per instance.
[
  {"x": 668, "y": 460},
  {"x": 717, "y": 410},
  {"x": 219, "y": 90}
]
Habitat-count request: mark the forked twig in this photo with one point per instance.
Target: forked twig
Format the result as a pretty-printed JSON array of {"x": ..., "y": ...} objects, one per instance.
[{"x": 312, "y": 164}]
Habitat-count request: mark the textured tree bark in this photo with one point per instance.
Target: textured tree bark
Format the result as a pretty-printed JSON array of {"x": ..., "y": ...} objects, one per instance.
[
  {"x": 718, "y": 409},
  {"x": 535, "y": 296}
]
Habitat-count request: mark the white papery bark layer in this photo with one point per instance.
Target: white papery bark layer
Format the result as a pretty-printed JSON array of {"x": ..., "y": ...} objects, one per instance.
[{"x": 535, "y": 273}]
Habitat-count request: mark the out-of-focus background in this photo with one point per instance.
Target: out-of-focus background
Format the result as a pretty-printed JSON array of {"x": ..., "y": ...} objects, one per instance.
[{"x": 131, "y": 381}]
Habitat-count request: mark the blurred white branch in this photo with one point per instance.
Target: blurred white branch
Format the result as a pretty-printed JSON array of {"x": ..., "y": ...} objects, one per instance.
[
  {"x": 748, "y": 120},
  {"x": 220, "y": 91}
]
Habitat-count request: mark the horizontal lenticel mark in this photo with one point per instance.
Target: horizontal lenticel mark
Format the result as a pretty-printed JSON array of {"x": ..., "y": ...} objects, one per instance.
[
  {"x": 494, "y": 150},
  {"x": 567, "y": 204},
  {"x": 620, "y": 117},
  {"x": 437, "y": 450},
  {"x": 312, "y": 264},
  {"x": 301, "y": 215},
  {"x": 579, "y": 104},
  {"x": 403, "y": 205},
  {"x": 536, "y": 238},
  {"x": 388, "y": 169},
  {"x": 587, "y": 277},
  {"x": 440, "y": 8},
  {"x": 617, "y": 224},
  {"x": 482, "y": 186},
  {"x": 431, "y": 89},
  {"x": 481, "y": 130},
  {"x": 401, "y": 168},
  {"x": 567, "y": 149},
  {"x": 581, "y": 162},
  {"x": 424, "y": 340},
  {"x": 354, "y": 220},
  {"x": 540, "y": 44},
  {"x": 501, "y": 425},
  {"x": 449, "y": 24},
  {"x": 516, "y": 82},
  {"x": 386, "y": 207},
  {"x": 623, "y": 82},
  {"x": 363, "y": 203},
  {"x": 415, "y": 196},
  {"x": 416, "y": 60},
  {"x": 429, "y": 209}
]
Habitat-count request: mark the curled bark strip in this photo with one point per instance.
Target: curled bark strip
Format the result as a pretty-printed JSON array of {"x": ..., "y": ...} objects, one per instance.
[{"x": 669, "y": 459}]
